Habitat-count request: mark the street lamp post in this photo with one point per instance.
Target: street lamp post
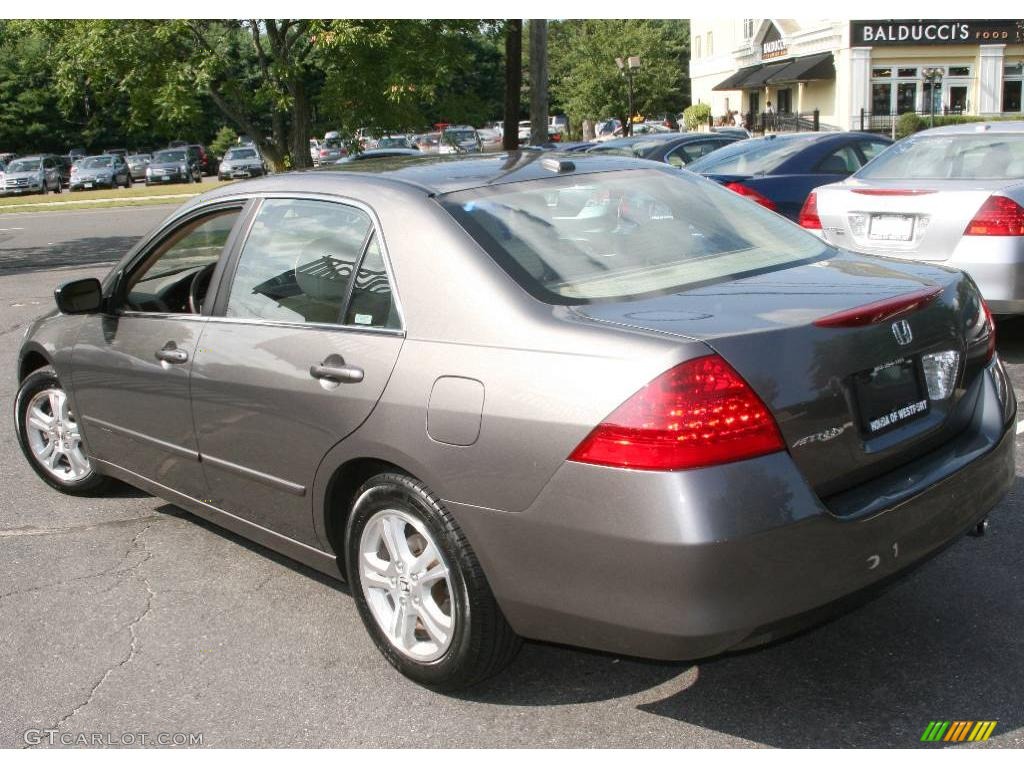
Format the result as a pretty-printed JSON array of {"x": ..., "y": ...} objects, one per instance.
[
  {"x": 932, "y": 75},
  {"x": 626, "y": 68}
]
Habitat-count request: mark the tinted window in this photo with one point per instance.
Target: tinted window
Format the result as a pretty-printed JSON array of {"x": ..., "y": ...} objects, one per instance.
[
  {"x": 372, "y": 302},
  {"x": 612, "y": 236},
  {"x": 951, "y": 156},
  {"x": 751, "y": 157},
  {"x": 843, "y": 160},
  {"x": 161, "y": 282},
  {"x": 298, "y": 261},
  {"x": 691, "y": 152}
]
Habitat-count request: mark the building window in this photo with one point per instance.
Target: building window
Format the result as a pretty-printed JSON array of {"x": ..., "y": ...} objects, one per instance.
[
  {"x": 710, "y": 45},
  {"x": 748, "y": 29},
  {"x": 896, "y": 90},
  {"x": 696, "y": 47},
  {"x": 1013, "y": 84}
]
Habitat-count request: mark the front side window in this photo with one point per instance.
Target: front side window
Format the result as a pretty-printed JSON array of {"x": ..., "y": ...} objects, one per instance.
[
  {"x": 298, "y": 261},
  {"x": 619, "y": 235},
  {"x": 163, "y": 282}
]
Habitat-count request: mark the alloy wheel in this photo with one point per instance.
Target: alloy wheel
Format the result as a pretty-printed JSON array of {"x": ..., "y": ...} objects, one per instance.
[
  {"x": 407, "y": 585},
  {"x": 53, "y": 436}
]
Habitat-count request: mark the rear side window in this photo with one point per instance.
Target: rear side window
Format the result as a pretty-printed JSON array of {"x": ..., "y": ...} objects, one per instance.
[
  {"x": 298, "y": 261},
  {"x": 372, "y": 304},
  {"x": 625, "y": 234}
]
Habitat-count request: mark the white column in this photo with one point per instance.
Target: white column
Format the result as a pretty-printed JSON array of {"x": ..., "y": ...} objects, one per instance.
[
  {"x": 860, "y": 84},
  {"x": 990, "y": 78},
  {"x": 800, "y": 97}
]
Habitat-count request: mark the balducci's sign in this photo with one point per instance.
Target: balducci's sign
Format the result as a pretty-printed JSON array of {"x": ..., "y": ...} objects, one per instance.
[
  {"x": 773, "y": 46},
  {"x": 936, "y": 32}
]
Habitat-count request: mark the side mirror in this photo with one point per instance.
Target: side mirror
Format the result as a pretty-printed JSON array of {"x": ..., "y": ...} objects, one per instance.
[{"x": 79, "y": 296}]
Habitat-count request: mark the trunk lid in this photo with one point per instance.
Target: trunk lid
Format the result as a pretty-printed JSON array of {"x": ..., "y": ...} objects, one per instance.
[
  {"x": 812, "y": 378},
  {"x": 922, "y": 220}
]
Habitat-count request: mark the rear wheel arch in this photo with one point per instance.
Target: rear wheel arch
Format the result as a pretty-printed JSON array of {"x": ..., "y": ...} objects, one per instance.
[{"x": 340, "y": 496}]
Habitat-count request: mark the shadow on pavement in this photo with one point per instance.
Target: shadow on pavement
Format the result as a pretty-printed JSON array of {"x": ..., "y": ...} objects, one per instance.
[{"x": 71, "y": 253}]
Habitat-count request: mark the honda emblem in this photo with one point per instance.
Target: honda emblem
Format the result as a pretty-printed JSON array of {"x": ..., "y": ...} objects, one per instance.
[{"x": 901, "y": 330}]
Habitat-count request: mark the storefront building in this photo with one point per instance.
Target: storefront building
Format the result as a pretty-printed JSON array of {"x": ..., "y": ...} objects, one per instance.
[{"x": 858, "y": 72}]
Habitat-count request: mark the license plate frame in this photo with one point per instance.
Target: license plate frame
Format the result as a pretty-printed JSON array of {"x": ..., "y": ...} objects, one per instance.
[
  {"x": 891, "y": 227},
  {"x": 165, "y": 178},
  {"x": 890, "y": 395},
  {"x": 87, "y": 185}
]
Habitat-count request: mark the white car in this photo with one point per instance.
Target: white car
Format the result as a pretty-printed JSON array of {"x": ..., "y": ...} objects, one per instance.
[{"x": 952, "y": 196}]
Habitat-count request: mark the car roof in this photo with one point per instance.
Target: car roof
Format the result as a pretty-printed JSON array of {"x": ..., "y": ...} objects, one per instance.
[
  {"x": 441, "y": 174},
  {"x": 994, "y": 126}
]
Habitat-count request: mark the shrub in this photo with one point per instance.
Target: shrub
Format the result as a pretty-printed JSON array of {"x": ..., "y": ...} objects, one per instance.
[
  {"x": 696, "y": 115},
  {"x": 909, "y": 123}
]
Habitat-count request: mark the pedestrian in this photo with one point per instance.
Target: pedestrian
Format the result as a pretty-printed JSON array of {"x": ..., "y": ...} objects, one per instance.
[{"x": 769, "y": 112}]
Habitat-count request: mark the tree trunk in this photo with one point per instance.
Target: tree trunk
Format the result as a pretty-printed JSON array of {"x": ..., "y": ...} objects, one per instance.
[
  {"x": 538, "y": 81},
  {"x": 513, "y": 81},
  {"x": 301, "y": 126}
]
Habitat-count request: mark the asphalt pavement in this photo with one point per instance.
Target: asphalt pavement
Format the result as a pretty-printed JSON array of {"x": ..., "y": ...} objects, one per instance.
[{"x": 126, "y": 615}]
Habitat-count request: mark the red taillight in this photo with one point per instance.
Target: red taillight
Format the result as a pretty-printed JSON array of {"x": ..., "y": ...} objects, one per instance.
[
  {"x": 694, "y": 415},
  {"x": 998, "y": 216},
  {"x": 809, "y": 218},
  {"x": 753, "y": 194},
  {"x": 324, "y": 153},
  {"x": 879, "y": 311}
]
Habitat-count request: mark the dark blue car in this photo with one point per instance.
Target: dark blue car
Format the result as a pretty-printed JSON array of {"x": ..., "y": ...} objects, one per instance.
[{"x": 780, "y": 171}]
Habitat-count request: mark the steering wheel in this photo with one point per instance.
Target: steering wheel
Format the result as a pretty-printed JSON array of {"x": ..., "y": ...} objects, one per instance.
[{"x": 198, "y": 288}]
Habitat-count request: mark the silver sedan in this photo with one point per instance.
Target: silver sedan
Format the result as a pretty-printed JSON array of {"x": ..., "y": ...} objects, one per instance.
[{"x": 952, "y": 196}]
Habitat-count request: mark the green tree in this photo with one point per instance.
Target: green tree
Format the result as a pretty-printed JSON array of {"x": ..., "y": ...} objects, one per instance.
[{"x": 587, "y": 84}]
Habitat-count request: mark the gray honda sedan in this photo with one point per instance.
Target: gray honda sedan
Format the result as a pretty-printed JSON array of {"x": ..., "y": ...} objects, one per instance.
[{"x": 583, "y": 399}]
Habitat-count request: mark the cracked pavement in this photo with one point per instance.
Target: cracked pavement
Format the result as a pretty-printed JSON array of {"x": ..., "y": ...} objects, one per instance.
[{"x": 124, "y": 614}]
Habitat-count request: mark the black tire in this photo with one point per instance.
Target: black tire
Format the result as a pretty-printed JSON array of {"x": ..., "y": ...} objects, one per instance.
[
  {"x": 35, "y": 382},
  {"x": 483, "y": 643}
]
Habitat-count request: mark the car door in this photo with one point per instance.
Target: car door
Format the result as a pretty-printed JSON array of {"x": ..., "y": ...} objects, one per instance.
[
  {"x": 131, "y": 363},
  {"x": 295, "y": 357}
]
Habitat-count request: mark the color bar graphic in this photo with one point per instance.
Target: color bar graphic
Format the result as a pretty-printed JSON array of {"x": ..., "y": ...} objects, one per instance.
[{"x": 959, "y": 730}]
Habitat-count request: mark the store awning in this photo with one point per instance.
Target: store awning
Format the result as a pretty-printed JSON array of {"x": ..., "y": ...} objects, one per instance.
[
  {"x": 732, "y": 82},
  {"x": 820, "y": 66},
  {"x": 764, "y": 74}
]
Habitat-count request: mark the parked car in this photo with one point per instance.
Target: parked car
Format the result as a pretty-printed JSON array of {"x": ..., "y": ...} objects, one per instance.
[
  {"x": 490, "y": 139},
  {"x": 314, "y": 151},
  {"x": 332, "y": 149},
  {"x": 138, "y": 165},
  {"x": 780, "y": 170},
  {"x": 170, "y": 166},
  {"x": 3, "y": 170},
  {"x": 393, "y": 142},
  {"x": 459, "y": 139},
  {"x": 77, "y": 152},
  {"x": 241, "y": 163},
  {"x": 652, "y": 418},
  {"x": 121, "y": 152},
  {"x": 205, "y": 162},
  {"x": 427, "y": 142},
  {"x": 676, "y": 149},
  {"x": 952, "y": 195},
  {"x": 110, "y": 171},
  {"x": 32, "y": 174},
  {"x": 64, "y": 163},
  {"x": 6, "y": 157}
]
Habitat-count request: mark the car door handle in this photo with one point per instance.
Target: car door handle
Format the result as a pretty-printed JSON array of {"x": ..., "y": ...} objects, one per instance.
[
  {"x": 347, "y": 374},
  {"x": 171, "y": 354}
]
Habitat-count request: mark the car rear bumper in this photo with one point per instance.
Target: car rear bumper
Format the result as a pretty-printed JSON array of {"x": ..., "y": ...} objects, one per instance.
[
  {"x": 678, "y": 565},
  {"x": 996, "y": 264}
]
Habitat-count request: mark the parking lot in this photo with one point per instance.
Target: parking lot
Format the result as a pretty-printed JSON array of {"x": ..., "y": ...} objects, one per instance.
[{"x": 125, "y": 614}]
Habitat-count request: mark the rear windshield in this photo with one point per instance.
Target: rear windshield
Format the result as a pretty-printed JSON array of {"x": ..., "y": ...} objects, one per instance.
[
  {"x": 753, "y": 157},
  {"x": 172, "y": 156},
  {"x": 626, "y": 234},
  {"x": 951, "y": 156}
]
